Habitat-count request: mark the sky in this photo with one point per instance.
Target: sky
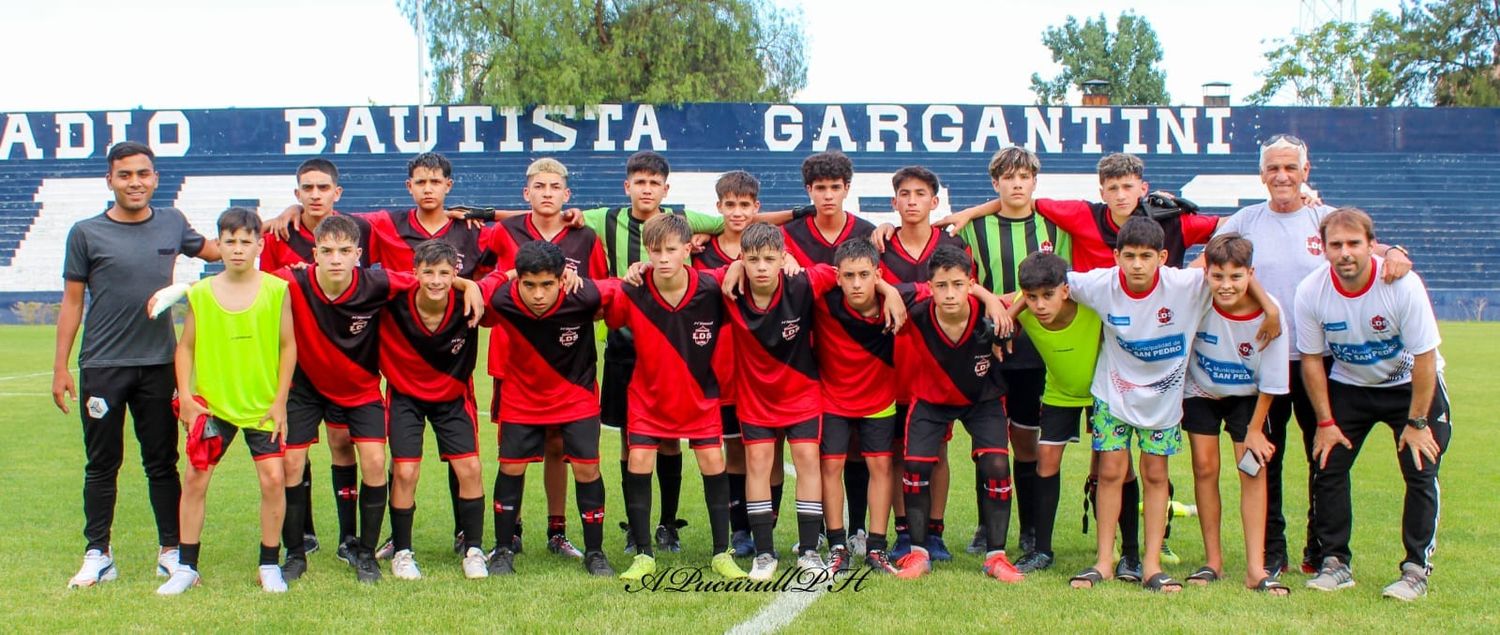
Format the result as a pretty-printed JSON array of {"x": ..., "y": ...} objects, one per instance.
[{"x": 183, "y": 54}]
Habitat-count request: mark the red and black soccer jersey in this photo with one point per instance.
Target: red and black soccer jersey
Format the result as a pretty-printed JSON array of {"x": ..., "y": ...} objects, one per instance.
[
  {"x": 856, "y": 358},
  {"x": 1095, "y": 232},
  {"x": 674, "y": 392},
  {"x": 338, "y": 340},
  {"x": 431, "y": 365},
  {"x": 898, "y": 265},
  {"x": 960, "y": 372},
  {"x": 298, "y": 247},
  {"x": 713, "y": 256},
  {"x": 549, "y": 359},
  {"x": 805, "y": 243},
  {"x": 398, "y": 234},
  {"x": 775, "y": 370},
  {"x": 581, "y": 247}
]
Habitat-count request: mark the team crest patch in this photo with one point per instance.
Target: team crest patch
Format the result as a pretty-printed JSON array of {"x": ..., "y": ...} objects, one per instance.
[
  {"x": 1246, "y": 349},
  {"x": 790, "y": 329},
  {"x": 1047, "y": 247},
  {"x": 1379, "y": 323},
  {"x": 97, "y": 407},
  {"x": 568, "y": 336},
  {"x": 703, "y": 335},
  {"x": 457, "y": 345},
  {"x": 982, "y": 366},
  {"x": 1315, "y": 245},
  {"x": 358, "y": 323},
  {"x": 1163, "y": 315},
  {"x": 1157, "y": 435}
]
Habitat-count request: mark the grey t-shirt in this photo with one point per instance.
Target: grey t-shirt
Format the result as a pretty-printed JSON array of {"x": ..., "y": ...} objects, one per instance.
[
  {"x": 123, "y": 264},
  {"x": 1288, "y": 246}
]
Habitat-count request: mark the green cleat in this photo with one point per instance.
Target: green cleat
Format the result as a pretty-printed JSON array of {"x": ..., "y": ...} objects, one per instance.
[
  {"x": 724, "y": 565},
  {"x": 642, "y": 566}
]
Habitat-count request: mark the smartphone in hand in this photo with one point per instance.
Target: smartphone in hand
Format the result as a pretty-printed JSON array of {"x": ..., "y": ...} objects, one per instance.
[{"x": 1249, "y": 464}]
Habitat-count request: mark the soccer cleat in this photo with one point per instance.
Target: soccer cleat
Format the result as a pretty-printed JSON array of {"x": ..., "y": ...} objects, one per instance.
[
  {"x": 346, "y": 550},
  {"x": 999, "y": 567},
  {"x": 475, "y": 564},
  {"x": 629, "y": 538},
  {"x": 724, "y": 565},
  {"x": 840, "y": 560},
  {"x": 310, "y": 544},
  {"x": 915, "y": 565},
  {"x": 166, "y": 561},
  {"x": 980, "y": 543},
  {"x": 183, "y": 578},
  {"x": 743, "y": 543},
  {"x": 1128, "y": 570},
  {"x": 387, "y": 550},
  {"x": 404, "y": 565},
  {"x": 642, "y": 566},
  {"x": 764, "y": 567},
  {"x": 366, "y": 569},
  {"x": 98, "y": 566},
  {"x": 1034, "y": 561},
  {"x": 936, "y": 549},
  {"x": 294, "y": 567},
  {"x": 879, "y": 563},
  {"x": 858, "y": 543},
  {"x": 560, "y": 545},
  {"x": 596, "y": 564},
  {"x": 502, "y": 562},
  {"x": 1174, "y": 509},
  {"x": 1333, "y": 576},
  {"x": 666, "y": 536},
  {"x": 460, "y": 546},
  {"x": 1169, "y": 557},
  {"x": 271, "y": 580},
  {"x": 811, "y": 561},
  {"x": 1411, "y": 586},
  {"x": 822, "y": 542},
  {"x": 903, "y": 545}
]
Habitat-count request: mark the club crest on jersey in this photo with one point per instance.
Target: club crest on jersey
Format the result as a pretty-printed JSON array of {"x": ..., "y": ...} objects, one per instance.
[
  {"x": 457, "y": 345},
  {"x": 790, "y": 328},
  {"x": 1379, "y": 323},
  {"x": 568, "y": 336},
  {"x": 703, "y": 334},
  {"x": 1246, "y": 349},
  {"x": 1163, "y": 315},
  {"x": 358, "y": 323},
  {"x": 982, "y": 366},
  {"x": 1315, "y": 245},
  {"x": 1047, "y": 247}
]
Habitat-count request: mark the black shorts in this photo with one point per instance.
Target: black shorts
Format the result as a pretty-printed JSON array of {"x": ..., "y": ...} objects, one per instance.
[
  {"x": 619, "y": 366},
  {"x": 306, "y": 408},
  {"x": 634, "y": 441},
  {"x": 801, "y": 432},
  {"x": 259, "y": 442},
  {"x": 929, "y": 423},
  {"x": 1061, "y": 425},
  {"x": 903, "y": 419},
  {"x": 524, "y": 442},
  {"x": 1023, "y": 396},
  {"x": 730, "y": 417},
  {"x": 877, "y": 435},
  {"x": 453, "y": 423},
  {"x": 1201, "y": 415}
]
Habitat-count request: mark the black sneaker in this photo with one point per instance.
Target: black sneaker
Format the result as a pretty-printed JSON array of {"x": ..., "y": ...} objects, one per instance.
[
  {"x": 1128, "y": 570},
  {"x": 294, "y": 567},
  {"x": 346, "y": 550},
  {"x": 629, "y": 538},
  {"x": 502, "y": 562},
  {"x": 309, "y": 544},
  {"x": 1034, "y": 561},
  {"x": 366, "y": 569},
  {"x": 839, "y": 559},
  {"x": 666, "y": 536},
  {"x": 596, "y": 564}
]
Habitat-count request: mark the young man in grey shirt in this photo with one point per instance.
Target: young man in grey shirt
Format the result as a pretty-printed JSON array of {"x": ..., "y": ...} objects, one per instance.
[{"x": 121, "y": 257}]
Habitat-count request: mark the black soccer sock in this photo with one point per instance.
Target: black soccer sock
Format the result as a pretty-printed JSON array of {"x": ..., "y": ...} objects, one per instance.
[
  {"x": 669, "y": 479},
  {"x": 1130, "y": 519},
  {"x": 495, "y": 511},
  {"x": 916, "y": 487},
  {"x": 738, "y": 521},
  {"x": 979, "y": 493},
  {"x": 857, "y": 493},
  {"x": 935, "y": 527},
  {"x": 187, "y": 554},
  {"x": 307, "y": 517},
  {"x": 1090, "y": 500},
  {"x": 372, "y": 501},
  {"x": 809, "y": 524},
  {"x": 776, "y": 491},
  {"x": 292, "y": 523},
  {"x": 508, "y": 491},
  {"x": 1024, "y": 478},
  {"x": 458, "y": 520},
  {"x": 401, "y": 520},
  {"x": 638, "y": 510},
  {"x": 716, "y": 494},
  {"x": 471, "y": 519},
  {"x": 876, "y": 542},
  {"x": 557, "y": 526},
  {"x": 838, "y": 538},
  {"x": 590, "y": 502},
  {"x": 270, "y": 555},
  {"x": 901, "y": 524},
  {"x": 761, "y": 520},
  {"x": 996, "y": 502},
  {"x": 346, "y": 499},
  {"x": 1048, "y": 491}
]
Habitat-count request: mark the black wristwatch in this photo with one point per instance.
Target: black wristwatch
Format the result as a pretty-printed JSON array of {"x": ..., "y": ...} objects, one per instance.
[{"x": 1419, "y": 423}]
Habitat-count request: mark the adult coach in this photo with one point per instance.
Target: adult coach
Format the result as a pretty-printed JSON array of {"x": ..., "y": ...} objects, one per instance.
[
  {"x": 1288, "y": 246},
  {"x": 121, "y": 257},
  {"x": 1386, "y": 369}
]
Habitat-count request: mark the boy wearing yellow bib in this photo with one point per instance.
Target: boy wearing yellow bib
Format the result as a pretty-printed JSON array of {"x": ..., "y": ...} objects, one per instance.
[{"x": 238, "y": 338}]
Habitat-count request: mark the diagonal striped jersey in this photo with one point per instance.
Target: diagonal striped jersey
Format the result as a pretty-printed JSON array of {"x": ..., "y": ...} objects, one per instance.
[{"x": 999, "y": 245}]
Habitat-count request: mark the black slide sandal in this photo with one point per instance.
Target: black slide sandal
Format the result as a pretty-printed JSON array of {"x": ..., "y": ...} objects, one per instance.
[
  {"x": 1089, "y": 575},
  {"x": 1273, "y": 587},
  {"x": 1160, "y": 582},
  {"x": 1204, "y": 576}
]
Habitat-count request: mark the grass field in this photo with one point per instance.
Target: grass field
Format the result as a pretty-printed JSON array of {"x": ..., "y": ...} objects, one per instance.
[{"x": 40, "y": 527}]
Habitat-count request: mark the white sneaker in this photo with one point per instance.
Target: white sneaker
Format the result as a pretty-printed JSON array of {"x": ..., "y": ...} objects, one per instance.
[
  {"x": 476, "y": 566},
  {"x": 810, "y": 560},
  {"x": 183, "y": 578},
  {"x": 404, "y": 565},
  {"x": 764, "y": 567},
  {"x": 98, "y": 566},
  {"x": 857, "y": 543},
  {"x": 271, "y": 580},
  {"x": 166, "y": 561}
]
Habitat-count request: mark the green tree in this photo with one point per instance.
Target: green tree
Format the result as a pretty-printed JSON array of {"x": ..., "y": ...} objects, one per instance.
[
  {"x": 1127, "y": 58},
  {"x": 1336, "y": 64},
  {"x": 581, "y": 52}
]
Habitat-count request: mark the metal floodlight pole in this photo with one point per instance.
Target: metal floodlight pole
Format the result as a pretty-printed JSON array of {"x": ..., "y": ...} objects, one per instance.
[{"x": 421, "y": 75}]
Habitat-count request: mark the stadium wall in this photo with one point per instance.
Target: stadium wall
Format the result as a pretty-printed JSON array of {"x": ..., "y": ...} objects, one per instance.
[{"x": 1430, "y": 177}]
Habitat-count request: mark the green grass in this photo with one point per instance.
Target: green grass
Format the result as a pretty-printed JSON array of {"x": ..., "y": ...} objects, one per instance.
[{"x": 40, "y": 526}]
